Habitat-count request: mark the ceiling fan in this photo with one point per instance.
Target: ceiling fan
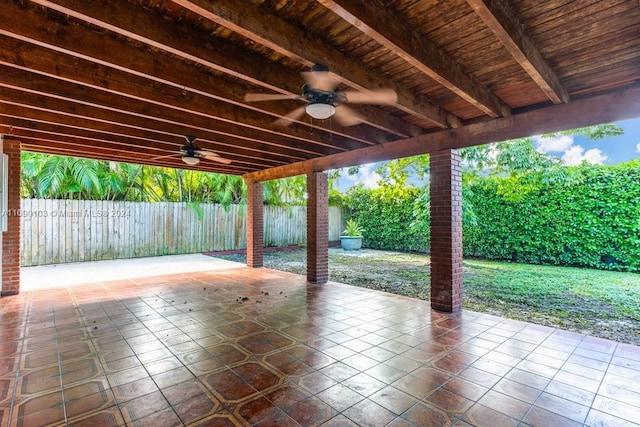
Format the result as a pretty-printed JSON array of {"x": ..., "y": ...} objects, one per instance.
[
  {"x": 324, "y": 100},
  {"x": 191, "y": 154}
]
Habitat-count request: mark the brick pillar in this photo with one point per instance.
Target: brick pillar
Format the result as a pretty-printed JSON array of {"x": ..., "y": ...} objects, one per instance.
[
  {"x": 446, "y": 231},
  {"x": 255, "y": 225},
  {"x": 317, "y": 227},
  {"x": 11, "y": 237}
]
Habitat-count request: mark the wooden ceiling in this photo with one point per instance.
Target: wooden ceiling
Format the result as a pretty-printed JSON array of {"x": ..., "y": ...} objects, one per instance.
[{"x": 127, "y": 80}]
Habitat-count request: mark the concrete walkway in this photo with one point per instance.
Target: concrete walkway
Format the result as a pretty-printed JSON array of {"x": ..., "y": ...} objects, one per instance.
[{"x": 59, "y": 275}]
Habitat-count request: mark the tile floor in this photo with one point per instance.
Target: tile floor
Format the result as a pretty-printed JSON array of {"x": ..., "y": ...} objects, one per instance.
[{"x": 264, "y": 348}]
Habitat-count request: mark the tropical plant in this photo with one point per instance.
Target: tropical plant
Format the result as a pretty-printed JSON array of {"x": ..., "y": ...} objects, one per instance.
[
  {"x": 62, "y": 177},
  {"x": 352, "y": 229}
]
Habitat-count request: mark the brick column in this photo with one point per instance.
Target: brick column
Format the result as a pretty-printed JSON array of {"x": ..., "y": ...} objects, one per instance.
[
  {"x": 11, "y": 238},
  {"x": 446, "y": 231},
  {"x": 255, "y": 225},
  {"x": 317, "y": 227}
]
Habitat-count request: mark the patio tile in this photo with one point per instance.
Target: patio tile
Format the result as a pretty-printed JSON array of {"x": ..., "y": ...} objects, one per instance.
[
  {"x": 311, "y": 411},
  {"x": 518, "y": 390},
  {"x": 340, "y": 397},
  {"x": 364, "y": 384},
  {"x": 573, "y": 394},
  {"x": 131, "y": 352},
  {"x": 423, "y": 414},
  {"x": 505, "y": 404},
  {"x": 449, "y": 402},
  {"x": 599, "y": 418},
  {"x": 480, "y": 415},
  {"x": 562, "y": 406},
  {"x": 538, "y": 416},
  {"x": 465, "y": 388},
  {"x": 393, "y": 399},
  {"x": 369, "y": 413}
]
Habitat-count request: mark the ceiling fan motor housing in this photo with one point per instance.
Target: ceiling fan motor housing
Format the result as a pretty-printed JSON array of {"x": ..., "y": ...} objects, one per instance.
[
  {"x": 190, "y": 150},
  {"x": 315, "y": 96}
]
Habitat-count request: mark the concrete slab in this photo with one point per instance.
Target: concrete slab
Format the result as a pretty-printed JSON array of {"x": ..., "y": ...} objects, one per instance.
[{"x": 60, "y": 275}]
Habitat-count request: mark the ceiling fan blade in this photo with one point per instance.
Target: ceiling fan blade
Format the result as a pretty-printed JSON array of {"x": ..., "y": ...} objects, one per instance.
[
  {"x": 166, "y": 157},
  {"x": 214, "y": 157},
  {"x": 377, "y": 96},
  {"x": 321, "y": 80},
  {"x": 257, "y": 97},
  {"x": 289, "y": 118},
  {"x": 347, "y": 117}
]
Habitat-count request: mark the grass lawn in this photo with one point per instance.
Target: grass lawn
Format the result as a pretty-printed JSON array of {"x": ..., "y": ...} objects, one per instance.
[
  {"x": 601, "y": 303},
  {"x": 595, "y": 302}
]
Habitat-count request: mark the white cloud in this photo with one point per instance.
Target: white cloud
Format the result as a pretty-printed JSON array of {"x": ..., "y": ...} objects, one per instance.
[
  {"x": 366, "y": 176},
  {"x": 556, "y": 144},
  {"x": 571, "y": 154},
  {"x": 575, "y": 154},
  {"x": 638, "y": 147}
]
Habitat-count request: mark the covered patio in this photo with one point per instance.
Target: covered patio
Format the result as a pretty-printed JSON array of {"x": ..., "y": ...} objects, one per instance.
[
  {"x": 269, "y": 89},
  {"x": 238, "y": 346},
  {"x": 129, "y": 80}
]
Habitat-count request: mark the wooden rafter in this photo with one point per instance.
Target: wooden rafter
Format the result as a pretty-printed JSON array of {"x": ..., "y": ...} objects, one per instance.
[
  {"x": 418, "y": 51},
  {"x": 70, "y": 70},
  {"x": 249, "y": 21},
  {"x": 109, "y": 141},
  {"x": 180, "y": 83},
  {"x": 606, "y": 108},
  {"x": 501, "y": 20},
  {"x": 128, "y": 20},
  {"x": 48, "y": 110},
  {"x": 32, "y": 141},
  {"x": 138, "y": 75}
]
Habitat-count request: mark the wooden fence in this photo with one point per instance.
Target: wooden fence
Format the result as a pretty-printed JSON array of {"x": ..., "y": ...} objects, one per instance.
[{"x": 61, "y": 231}]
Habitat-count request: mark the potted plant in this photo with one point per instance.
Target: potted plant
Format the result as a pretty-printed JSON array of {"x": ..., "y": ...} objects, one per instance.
[{"x": 351, "y": 237}]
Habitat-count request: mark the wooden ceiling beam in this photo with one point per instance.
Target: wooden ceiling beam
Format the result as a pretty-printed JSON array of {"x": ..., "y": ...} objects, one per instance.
[
  {"x": 606, "y": 108},
  {"x": 161, "y": 143},
  {"x": 254, "y": 23},
  {"x": 31, "y": 141},
  {"x": 117, "y": 105},
  {"x": 43, "y": 61},
  {"x": 36, "y": 145},
  {"x": 501, "y": 20},
  {"x": 129, "y": 20},
  {"x": 108, "y": 52},
  {"x": 52, "y": 109},
  {"x": 125, "y": 143},
  {"x": 392, "y": 33}
]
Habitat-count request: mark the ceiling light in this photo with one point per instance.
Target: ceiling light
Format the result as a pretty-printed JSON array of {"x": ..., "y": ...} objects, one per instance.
[
  {"x": 191, "y": 161},
  {"x": 320, "y": 111}
]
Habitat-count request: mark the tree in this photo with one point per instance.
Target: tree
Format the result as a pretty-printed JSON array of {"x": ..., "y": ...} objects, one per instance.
[{"x": 62, "y": 177}]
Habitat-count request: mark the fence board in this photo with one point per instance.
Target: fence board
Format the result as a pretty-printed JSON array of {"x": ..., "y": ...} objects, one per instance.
[{"x": 59, "y": 231}]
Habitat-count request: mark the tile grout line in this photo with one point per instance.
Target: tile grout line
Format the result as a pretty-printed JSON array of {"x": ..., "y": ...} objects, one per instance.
[
  {"x": 558, "y": 370},
  {"x": 77, "y": 306},
  {"x": 17, "y": 374},
  {"x": 601, "y": 383}
]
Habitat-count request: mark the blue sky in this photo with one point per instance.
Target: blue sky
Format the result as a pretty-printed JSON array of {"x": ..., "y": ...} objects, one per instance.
[
  {"x": 571, "y": 149},
  {"x": 607, "y": 151}
]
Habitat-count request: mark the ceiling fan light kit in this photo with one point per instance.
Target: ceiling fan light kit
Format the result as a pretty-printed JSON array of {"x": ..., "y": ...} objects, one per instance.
[
  {"x": 325, "y": 100},
  {"x": 192, "y": 154},
  {"x": 320, "y": 111},
  {"x": 190, "y": 160}
]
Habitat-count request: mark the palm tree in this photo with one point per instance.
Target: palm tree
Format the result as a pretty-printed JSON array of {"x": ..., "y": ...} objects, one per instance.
[{"x": 61, "y": 177}]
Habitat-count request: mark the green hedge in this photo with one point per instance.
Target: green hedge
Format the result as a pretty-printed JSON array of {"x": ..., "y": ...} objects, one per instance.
[
  {"x": 387, "y": 214},
  {"x": 590, "y": 218}
]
